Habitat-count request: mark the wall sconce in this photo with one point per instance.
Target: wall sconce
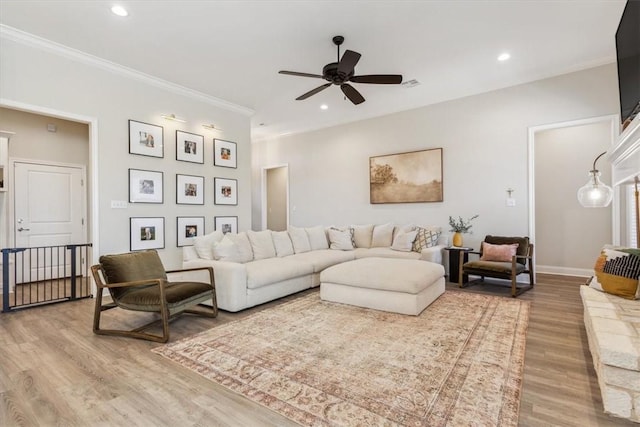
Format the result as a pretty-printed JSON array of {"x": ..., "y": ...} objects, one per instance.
[
  {"x": 211, "y": 127},
  {"x": 173, "y": 118},
  {"x": 595, "y": 193}
]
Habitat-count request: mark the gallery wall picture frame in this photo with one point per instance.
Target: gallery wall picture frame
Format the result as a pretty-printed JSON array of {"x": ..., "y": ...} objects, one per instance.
[
  {"x": 413, "y": 177},
  {"x": 226, "y": 191},
  {"x": 189, "y": 189},
  {"x": 225, "y": 153},
  {"x": 189, "y": 147},
  {"x": 146, "y": 233},
  {"x": 228, "y": 224},
  {"x": 146, "y": 139},
  {"x": 188, "y": 228},
  {"x": 146, "y": 186}
]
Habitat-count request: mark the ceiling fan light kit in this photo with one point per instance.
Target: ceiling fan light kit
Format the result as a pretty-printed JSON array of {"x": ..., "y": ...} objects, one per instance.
[{"x": 342, "y": 72}]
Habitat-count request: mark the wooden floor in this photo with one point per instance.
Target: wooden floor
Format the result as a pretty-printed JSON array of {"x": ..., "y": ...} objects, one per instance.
[{"x": 55, "y": 371}]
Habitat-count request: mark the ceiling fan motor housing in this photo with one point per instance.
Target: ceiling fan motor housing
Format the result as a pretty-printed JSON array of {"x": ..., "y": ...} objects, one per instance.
[{"x": 330, "y": 73}]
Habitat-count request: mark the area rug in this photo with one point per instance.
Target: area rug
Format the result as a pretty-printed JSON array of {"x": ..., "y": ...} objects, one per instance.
[{"x": 319, "y": 363}]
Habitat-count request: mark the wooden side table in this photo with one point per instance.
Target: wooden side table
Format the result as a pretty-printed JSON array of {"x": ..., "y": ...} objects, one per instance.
[{"x": 454, "y": 262}]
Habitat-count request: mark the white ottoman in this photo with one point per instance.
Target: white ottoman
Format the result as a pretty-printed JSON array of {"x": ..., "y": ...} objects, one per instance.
[{"x": 403, "y": 286}]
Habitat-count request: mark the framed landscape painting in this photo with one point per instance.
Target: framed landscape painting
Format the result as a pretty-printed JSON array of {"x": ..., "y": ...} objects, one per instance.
[
  {"x": 146, "y": 139},
  {"x": 146, "y": 233},
  {"x": 189, "y": 190},
  {"x": 225, "y": 153},
  {"x": 228, "y": 224},
  {"x": 414, "y": 177},
  {"x": 226, "y": 191},
  {"x": 189, "y": 147},
  {"x": 188, "y": 228},
  {"x": 145, "y": 186}
]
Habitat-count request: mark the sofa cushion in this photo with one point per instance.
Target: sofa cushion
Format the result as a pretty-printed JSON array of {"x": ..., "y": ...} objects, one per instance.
[
  {"x": 324, "y": 258},
  {"x": 317, "y": 238},
  {"x": 385, "y": 253},
  {"x": 403, "y": 241},
  {"x": 261, "y": 244},
  {"x": 299, "y": 239},
  {"x": 362, "y": 234},
  {"x": 282, "y": 243},
  {"x": 427, "y": 237},
  {"x": 382, "y": 236},
  {"x": 204, "y": 244},
  {"x": 273, "y": 270},
  {"x": 341, "y": 239}
]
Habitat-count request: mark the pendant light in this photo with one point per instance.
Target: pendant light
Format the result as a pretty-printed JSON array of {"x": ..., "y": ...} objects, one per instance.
[{"x": 595, "y": 193}]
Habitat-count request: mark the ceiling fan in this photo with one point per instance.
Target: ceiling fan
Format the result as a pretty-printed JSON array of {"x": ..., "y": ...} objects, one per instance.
[{"x": 341, "y": 72}]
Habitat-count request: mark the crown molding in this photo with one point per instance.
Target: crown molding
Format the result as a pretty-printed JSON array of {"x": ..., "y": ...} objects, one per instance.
[{"x": 22, "y": 37}]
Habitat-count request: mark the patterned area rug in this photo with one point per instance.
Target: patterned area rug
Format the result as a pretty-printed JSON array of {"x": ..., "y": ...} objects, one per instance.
[{"x": 319, "y": 363}]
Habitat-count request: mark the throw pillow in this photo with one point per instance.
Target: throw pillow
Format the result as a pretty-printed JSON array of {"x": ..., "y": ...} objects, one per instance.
[
  {"x": 617, "y": 271},
  {"x": 426, "y": 238},
  {"x": 317, "y": 238},
  {"x": 404, "y": 241},
  {"x": 362, "y": 234},
  {"x": 245, "y": 253},
  {"x": 261, "y": 244},
  {"x": 382, "y": 236},
  {"x": 204, "y": 244},
  {"x": 299, "y": 239},
  {"x": 282, "y": 243},
  {"x": 340, "y": 239},
  {"x": 226, "y": 250},
  {"x": 499, "y": 253}
]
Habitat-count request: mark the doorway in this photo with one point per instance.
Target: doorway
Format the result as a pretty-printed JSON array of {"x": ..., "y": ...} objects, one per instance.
[
  {"x": 275, "y": 197},
  {"x": 568, "y": 236}
]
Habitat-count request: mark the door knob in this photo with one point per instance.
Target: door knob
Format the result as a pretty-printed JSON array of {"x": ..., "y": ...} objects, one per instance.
[{"x": 24, "y": 229}]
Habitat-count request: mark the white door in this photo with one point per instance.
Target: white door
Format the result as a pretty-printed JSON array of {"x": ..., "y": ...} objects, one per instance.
[{"x": 49, "y": 210}]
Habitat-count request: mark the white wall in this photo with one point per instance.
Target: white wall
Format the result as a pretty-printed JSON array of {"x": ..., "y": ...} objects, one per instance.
[
  {"x": 565, "y": 233},
  {"x": 39, "y": 77},
  {"x": 277, "y": 198},
  {"x": 484, "y": 138}
]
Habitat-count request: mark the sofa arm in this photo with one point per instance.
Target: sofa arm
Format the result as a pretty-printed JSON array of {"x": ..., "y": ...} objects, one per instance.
[
  {"x": 432, "y": 254},
  {"x": 231, "y": 282}
]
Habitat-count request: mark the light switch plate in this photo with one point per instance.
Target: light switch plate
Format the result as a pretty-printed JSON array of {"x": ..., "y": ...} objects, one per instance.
[
  {"x": 118, "y": 204},
  {"x": 511, "y": 202}
]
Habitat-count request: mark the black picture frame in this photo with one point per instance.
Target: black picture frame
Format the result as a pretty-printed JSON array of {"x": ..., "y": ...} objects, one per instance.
[{"x": 146, "y": 139}]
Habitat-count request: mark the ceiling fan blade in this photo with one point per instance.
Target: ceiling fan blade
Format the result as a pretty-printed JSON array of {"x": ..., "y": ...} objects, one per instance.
[
  {"x": 313, "y": 92},
  {"x": 348, "y": 62},
  {"x": 295, "y": 73},
  {"x": 351, "y": 93},
  {"x": 380, "y": 79}
]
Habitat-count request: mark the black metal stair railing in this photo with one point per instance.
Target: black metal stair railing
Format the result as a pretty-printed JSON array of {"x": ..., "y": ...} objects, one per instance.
[{"x": 43, "y": 275}]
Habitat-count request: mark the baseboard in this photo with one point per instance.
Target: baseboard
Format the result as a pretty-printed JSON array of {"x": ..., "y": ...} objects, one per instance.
[{"x": 564, "y": 271}]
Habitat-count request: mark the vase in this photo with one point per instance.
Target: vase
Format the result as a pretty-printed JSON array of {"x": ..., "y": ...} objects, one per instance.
[{"x": 457, "y": 239}]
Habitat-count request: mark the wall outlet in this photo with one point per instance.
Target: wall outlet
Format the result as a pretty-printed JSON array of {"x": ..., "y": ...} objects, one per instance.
[
  {"x": 511, "y": 202},
  {"x": 118, "y": 204}
]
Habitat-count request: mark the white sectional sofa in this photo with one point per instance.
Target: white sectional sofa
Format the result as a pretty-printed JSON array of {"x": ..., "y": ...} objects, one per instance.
[{"x": 252, "y": 267}]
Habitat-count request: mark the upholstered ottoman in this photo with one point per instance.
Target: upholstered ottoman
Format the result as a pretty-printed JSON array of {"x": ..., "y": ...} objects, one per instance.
[{"x": 403, "y": 286}]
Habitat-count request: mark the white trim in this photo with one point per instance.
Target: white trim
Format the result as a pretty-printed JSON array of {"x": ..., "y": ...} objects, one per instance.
[
  {"x": 564, "y": 271},
  {"x": 613, "y": 119},
  {"x": 93, "y": 160},
  {"x": 28, "y": 39},
  {"x": 625, "y": 155},
  {"x": 263, "y": 193}
]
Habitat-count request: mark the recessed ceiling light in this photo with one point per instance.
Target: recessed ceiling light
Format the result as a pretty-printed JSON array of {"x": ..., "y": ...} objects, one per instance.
[
  {"x": 324, "y": 107},
  {"x": 503, "y": 57},
  {"x": 119, "y": 10}
]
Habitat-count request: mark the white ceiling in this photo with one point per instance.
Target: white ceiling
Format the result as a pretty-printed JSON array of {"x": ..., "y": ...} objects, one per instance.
[{"x": 233, "y": 50}]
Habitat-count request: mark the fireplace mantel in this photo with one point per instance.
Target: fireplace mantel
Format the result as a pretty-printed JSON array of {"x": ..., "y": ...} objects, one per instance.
[{"x": 625, "y": 155}]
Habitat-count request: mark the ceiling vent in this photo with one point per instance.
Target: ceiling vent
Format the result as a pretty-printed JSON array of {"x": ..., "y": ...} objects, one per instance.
[{"x": 411, "y": 83}]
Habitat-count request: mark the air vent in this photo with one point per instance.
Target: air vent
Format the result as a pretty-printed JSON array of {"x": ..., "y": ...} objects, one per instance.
[{"x": 411, "y": 83}]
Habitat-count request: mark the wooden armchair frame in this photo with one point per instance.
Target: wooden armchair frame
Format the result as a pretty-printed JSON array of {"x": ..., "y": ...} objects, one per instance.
[
  {"x": 167, "y": 311},
  {"x": 511, "y": 274}
]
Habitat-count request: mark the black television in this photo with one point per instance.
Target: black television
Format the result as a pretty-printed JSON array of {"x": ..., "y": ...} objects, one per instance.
[{"x": 628, "y": 53}]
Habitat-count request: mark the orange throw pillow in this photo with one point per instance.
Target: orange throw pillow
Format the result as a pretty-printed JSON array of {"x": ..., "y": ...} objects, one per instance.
[{"x": 501, "y": 253}]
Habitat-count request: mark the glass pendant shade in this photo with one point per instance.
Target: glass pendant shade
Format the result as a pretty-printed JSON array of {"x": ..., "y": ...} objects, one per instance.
[{"x": 595, "y": 194}]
